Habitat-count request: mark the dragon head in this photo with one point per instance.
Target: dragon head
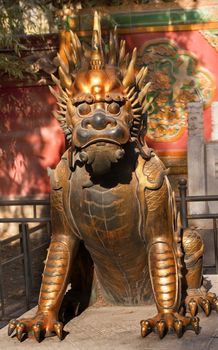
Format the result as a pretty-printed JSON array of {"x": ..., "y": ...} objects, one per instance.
[{"x": 102, "y": 99}]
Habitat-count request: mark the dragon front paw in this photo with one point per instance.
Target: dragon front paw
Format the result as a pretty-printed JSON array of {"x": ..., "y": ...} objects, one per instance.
[
  {"x": 40, "y": 326},
  {"x": 200, "y": 297},
  {"x": 170, "y": 321}
]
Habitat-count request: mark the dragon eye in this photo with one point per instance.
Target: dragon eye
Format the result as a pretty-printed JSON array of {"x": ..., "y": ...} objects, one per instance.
[
  {"x": 113, "y": 108},
  {"x": 84, "y": 108}
]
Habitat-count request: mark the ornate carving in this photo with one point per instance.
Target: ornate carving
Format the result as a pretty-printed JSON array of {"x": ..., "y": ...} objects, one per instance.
[
  {"x": 195, "y": 119},
  {"x": 214, "y": 121},
  {"x": 211, "y": 37},
  {"x": 176, "y": 79},
  {"x": 110, "y": 192}
]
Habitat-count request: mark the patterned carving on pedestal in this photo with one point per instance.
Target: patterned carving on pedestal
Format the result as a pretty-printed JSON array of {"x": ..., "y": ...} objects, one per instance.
[
  {"x": 196, "y": 156},
  {"x": 195, "y": 119},
  {"x": 214, "y": 121},
  {"x": 212, "y": 173}
]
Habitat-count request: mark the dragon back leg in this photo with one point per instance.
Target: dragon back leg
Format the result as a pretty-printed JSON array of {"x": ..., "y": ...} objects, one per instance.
[{"x": 195, "y": 292}]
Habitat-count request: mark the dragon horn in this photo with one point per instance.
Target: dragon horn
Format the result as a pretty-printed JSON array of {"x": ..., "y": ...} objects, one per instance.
[
  {"x": 143, "y": 92},
  {"x": 97, "y": 56},
  {"x": 122, "y": 51},
  {"x": 65, "y": 79},
  {"x": 112, "y": 50},
  {"x": 129, "y": 77},
  {"x": 64, "y": 65}
]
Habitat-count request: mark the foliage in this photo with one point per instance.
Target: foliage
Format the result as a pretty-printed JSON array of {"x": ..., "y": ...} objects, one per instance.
[
  {"x": 18, "y": 18},
  {"x": 10, "y": 65},
  {"x": 21, "y": 17}
]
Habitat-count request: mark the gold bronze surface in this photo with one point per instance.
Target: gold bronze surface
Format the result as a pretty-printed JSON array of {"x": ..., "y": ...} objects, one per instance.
[{"x": 116, "y": 237}]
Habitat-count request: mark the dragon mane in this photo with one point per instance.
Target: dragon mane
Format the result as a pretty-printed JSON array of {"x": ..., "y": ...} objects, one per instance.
[{"x": 79, "y": 57}]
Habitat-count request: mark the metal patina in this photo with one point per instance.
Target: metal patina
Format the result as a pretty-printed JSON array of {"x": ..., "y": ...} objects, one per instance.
[{"x": 116, "y": 234}]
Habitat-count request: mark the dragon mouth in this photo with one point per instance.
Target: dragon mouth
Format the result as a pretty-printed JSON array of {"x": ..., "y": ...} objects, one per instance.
[
  {"x": 100, "y": 153},
  {"x": 101, "y": 142}
]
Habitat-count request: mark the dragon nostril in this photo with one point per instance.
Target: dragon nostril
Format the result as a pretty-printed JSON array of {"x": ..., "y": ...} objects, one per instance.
[
  {"x": 111, "y": 123},
  {"x": 99, "y": 121},
  {"x": 86, "y": 124},
  {"x": 108, "y": 126}
]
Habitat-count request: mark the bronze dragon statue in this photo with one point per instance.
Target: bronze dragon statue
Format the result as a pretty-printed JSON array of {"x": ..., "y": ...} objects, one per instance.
[{"x": 116, "y": 235}]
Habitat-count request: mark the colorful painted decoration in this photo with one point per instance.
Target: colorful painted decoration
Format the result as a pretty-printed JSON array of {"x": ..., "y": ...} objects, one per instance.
[
  {"x": 211, "y": 36},
  {"x": 177, "y": 78}
]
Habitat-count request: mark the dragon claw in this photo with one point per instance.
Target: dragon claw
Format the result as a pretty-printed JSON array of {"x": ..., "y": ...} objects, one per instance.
[
  {"x": 58, "y": 328},
  {"x": 169, "y": 321},
  {"x": 161, "y": 328},
  {"x": 195, "y": 324},
  {"x": 205, "y": 304},
  {"x": 145, "y": 328},
  {"x": 37, "y": 328},
  {"x": 11, "y": 327},
  {"x": 193, "y": 306},
  {"x": 215, "y": 303},
  {"x": 199, "y": 297},
  {"x": 20, "y": 330},
  {"x": 178, "y": 326}
]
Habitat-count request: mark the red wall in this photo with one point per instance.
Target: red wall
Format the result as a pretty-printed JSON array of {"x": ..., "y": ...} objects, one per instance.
[
  {"x": 31, "y": 140},
  {"x": 195, "y": 43}
]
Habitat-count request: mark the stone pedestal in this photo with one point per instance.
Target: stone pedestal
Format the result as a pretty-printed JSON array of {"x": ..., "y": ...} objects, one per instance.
[
  {"x": 214, "y": 122},
  {"x": 117, "y": 328},
  {"x": 196, "y": 156},
  {"x": 212, "y": 174},
  {"x": 212, "y": 159}
]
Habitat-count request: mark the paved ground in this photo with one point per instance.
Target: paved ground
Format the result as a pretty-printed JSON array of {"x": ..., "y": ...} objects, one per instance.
[{"x": 117, "y": 328}]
